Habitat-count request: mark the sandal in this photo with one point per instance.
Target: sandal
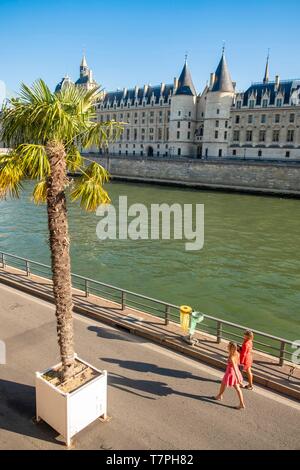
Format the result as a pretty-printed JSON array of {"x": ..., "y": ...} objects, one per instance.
[{"x": 248, "y": 387}]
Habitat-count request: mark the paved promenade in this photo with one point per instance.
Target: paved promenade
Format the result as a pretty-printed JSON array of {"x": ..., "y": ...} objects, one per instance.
[
  {"x": 157, "y": 399},
  {"x": 267, "y": 371}
]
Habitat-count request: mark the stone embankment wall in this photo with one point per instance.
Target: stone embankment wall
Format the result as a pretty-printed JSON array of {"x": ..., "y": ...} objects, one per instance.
[{"x": 255, "y": 177}]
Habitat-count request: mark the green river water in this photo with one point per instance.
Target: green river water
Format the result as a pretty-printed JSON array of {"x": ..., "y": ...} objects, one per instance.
[{"x": 248, "y": 271}]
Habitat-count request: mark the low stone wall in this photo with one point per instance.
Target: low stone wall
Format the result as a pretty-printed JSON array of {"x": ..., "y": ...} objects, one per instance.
[{"x": 257, "y": 177}]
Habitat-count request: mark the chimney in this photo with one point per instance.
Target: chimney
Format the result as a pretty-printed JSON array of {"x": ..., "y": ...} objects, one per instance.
[
  {"x": 145, "y": 89},
  {"x": 162, "y": 88},
  {"x": 212, "y": 80},
  {"x": 136, "y": 90},
  {"x": 277, "y": 81},
  {"x": 175, "y": 83}
]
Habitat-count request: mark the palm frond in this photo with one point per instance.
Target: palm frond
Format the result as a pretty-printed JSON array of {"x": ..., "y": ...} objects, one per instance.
[
  {"x": 89, "y": 187},
  {"x": 101, "y": 133},
  {"x": 11, "y": 174},
  {"x": 39, "y": 194},
  {"x": 74, "y": 159},
  {"x": 35, "y": 162}
]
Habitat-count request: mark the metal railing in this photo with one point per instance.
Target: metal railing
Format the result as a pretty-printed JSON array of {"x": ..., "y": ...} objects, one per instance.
[{"x": 220, "y": 329}]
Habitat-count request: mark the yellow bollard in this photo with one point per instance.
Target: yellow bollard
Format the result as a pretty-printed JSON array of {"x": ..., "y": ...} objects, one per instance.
[{"x": 185, "y": 317}]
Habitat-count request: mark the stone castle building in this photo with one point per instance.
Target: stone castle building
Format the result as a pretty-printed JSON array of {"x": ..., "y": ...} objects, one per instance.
[{"x": 174, "y": 120}]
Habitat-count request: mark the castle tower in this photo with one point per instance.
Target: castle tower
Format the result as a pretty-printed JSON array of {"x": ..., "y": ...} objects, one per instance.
[
  {"x": 217, "y": 112},
  {"x": 83, "y": 69},
  {"x": 85, "y": 75},
  {"x": 183, "y": 116}
]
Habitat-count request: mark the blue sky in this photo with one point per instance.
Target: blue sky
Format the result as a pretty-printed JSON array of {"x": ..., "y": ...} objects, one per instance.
[{"x": 136, "y": 42}]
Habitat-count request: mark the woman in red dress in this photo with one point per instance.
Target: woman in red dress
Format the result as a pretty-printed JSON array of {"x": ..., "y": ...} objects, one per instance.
[
  {"x": 233, "y": 376},
  {"x": 246, "y": 357}
]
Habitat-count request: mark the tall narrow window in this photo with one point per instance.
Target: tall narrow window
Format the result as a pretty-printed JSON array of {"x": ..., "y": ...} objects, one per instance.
[
  {"x": 290, "y": 135},
  {"x": 262, "y": 136},
  {"x": 292, "y": 117},
  {"x": 236, "y": 136},
  {"x": 249, "y": 136}
]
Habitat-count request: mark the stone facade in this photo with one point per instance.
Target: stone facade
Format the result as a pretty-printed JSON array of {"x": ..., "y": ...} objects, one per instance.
[
  {"x": 173, "y": 120},
  {"x": 251, "y": 177}
]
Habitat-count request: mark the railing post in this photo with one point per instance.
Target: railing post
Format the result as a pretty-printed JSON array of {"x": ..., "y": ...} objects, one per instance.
[
  {"x": 219, "y": 331},
  {"x": 3, "y": 260},
  {"x": 282, "y": 353},
  {"x": 123, "y": 301},
  {"x": 86, "y": 288},
  {"x": 27, "y": 268},
  {"x": 167, "y": 314}
]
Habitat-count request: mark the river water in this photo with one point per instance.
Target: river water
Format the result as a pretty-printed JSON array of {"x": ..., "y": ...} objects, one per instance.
[{"x": 248, "y": 271}]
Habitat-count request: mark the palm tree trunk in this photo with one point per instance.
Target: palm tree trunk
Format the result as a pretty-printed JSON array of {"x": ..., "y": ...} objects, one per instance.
[{"x": 60, "y": 256}]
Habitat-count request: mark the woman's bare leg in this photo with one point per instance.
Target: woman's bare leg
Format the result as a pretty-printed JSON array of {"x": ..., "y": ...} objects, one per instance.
[
  {"x": 222, "y": 390},
  {"x": 240, "y": 395},
  {"x": 250, "y": 377}
]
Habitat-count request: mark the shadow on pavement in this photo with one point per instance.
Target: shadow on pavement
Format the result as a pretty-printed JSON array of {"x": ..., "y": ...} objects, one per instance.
[
  {"x": 152, "y": 387},
  {"x": 153, "y": 368},
  {"x": 109, "y": 333},
  {"x": 17, "y": 412}
]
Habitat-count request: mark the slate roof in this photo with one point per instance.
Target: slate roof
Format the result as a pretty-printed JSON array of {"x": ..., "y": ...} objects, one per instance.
[
  {"x": 259, "y": 89},
  {"x": 65, "y": 80},
  {"x": 82, "y": 80},
  {"x": 185, "y": 83},
  {"x": 115, "y": 97},
  {"x": 223, "y": 82}
]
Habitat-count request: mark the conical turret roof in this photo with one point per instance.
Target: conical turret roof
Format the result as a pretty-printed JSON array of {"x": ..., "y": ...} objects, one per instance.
[
  {"x": 223, "y": 80},
  {"x": 185, "y": 82},
  {"x": 83, "y": 62}
]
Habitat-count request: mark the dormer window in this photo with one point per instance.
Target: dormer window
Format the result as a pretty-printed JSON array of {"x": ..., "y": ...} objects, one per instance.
[
  {"x": 238, "y": 104},
  {"x": 251, "y": 104},
  {"x": 279, "y": 102},
  {"x": 265, "y": 103}
]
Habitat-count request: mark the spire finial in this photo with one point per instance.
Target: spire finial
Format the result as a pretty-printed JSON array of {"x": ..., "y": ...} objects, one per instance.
[
  {"x": 266, "y": 77},
  {"x": 185, "y": 57},
  {"x": 223, "y": 47}
]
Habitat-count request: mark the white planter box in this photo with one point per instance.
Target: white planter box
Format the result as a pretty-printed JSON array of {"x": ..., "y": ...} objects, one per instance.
[{"x": 69, "y": 413}]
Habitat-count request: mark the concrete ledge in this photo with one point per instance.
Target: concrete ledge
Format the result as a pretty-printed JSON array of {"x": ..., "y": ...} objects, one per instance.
[
  {"x": 206, "y": 186},
  {"x": 168, "y": 341}
]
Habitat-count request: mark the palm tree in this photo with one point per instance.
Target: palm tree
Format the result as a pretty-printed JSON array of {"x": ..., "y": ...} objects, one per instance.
[{"x": 43, "y": 130}]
